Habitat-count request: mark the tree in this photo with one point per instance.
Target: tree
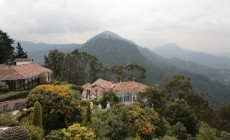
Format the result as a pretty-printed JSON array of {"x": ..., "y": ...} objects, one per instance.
[
  {"x": 55, "y": 62},
  {"x": 36, "y": 132},
  {"x": 78, "y": 132},
  {"x": 179, "y": 131},
  {"x": 178, "y": 83},
  {"x": 153, "y": 98},
  {"x": 80, "y": 68},
  {"x": 180, "y": 111},
  {"x": 206, "y": 133},
  {"x": 55, "y": 100},
  {"x": 88, "y": 115},
  {"x": 6, "y": 48},
  {"x": 117, "y": 73},
  {"x": 20, "y": 52},
  {"x": 37, "y": 115},
  {"x": 135, "y": 72},
  {"x": 129, "y": 72}
]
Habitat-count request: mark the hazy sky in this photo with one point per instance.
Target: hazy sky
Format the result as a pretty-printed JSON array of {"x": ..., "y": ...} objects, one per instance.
[{"x": 202, "y": 25}]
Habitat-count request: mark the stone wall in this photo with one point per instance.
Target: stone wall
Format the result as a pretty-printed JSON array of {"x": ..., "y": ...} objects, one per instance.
[{"x": 12, "y": 105}]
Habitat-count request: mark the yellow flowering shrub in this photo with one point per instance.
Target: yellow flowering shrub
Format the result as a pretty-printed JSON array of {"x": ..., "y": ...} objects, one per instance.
[
  {"x": 78, "y": 132},
  {"x": 55, "y": 101}
]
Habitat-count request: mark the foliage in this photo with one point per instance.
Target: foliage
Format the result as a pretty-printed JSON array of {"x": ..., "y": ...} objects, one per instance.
[
  {"x": 153, "y": 98},
  {"x": 140, "y": 119},
  {"x": 109, "y": 96},
  {"x": 88, "y": 116},
  {"x": 16, "y": 133},
  {"x": 20, "y": 52},
  {"x": 129, "y": 72},
  {"x": 80, "y": 68},
  {"x": 179, "y": 131},
  {"x": 180, "y": 111},
  {"x": 55, "y": 100},
  {"x": 177, "y": 83},
  {"x": 13, "y": 95},
  {"x": 55, "y": 61},
  {"x": 206, "y": 133},
  {"x": 78, "y": 132},
  {"x": 37, "y": 116},
  {"x": 36, "y": 132},
  {"x": 55, "y": 135},
  {"x": 7, "y": 119},
  {"x": 6, "y": 48}
]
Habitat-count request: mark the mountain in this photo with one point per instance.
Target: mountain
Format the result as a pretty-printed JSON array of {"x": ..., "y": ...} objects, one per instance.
[
  {"x": 38, "y": 50},
  {"x": 222, "y": 76},
  {"x": 112, "y": 49},
  {"x": 222, "y": 54},
  {"x": 173, "y": 50}
]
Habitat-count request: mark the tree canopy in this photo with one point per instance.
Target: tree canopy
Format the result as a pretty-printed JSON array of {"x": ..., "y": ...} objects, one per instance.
[{"x": 6, "y": 48}]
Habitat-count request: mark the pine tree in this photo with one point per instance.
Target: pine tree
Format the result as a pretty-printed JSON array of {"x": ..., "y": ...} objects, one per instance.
[
  {"x": 37, "y": 115},
  {"x": 20, "y": 52},
  {"x": 6, "y": 48},
  {"x": 88, "y": 116}
]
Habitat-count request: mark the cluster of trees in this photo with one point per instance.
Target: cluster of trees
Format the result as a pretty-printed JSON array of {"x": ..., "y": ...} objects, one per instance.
[
  {"x": 57, "y": 112},
  {"x": 7, "y": 50},
  {"x": 80, "y": 68}
]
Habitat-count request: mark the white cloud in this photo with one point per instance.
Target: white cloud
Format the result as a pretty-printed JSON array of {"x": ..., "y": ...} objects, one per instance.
[{"x": 194, "y": 24}]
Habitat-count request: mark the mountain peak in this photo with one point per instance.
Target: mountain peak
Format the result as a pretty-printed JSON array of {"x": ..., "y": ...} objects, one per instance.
[{"x": 107, "y": 34}]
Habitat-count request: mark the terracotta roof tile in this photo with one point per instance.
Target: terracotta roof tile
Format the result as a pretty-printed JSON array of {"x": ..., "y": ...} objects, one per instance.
[
  {"x": 130, "y": 86},
  {"x": 100, "y": 86},
  {"x": 14, "y": 72},
  {"x": 103, "y": 83}
]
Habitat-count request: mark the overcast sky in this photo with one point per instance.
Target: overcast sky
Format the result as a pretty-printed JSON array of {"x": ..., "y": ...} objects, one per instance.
[{"x": 202, "y": 25}]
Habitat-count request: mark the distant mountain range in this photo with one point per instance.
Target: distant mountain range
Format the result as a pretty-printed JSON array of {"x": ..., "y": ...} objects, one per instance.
[
  {"x": 112, "y": 49},
  {"x": 38, "y": 50},
  {"x": 174, "y": 51}
]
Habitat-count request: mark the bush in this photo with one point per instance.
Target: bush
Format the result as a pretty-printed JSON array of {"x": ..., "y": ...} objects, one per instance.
[
  {"x": 16, "y": 133},
  {"x": 7, "y": 120},
  {"x": 35, "y": 132},
  {"x": 37, "y": 115},
  {"x": 13, "y": 95}
]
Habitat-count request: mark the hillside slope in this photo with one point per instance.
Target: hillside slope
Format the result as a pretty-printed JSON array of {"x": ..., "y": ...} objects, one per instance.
[
  {"x": 174, "y": 51},
  {"x": 38, "y": 50},
  {"x": 114, "y": 50}
]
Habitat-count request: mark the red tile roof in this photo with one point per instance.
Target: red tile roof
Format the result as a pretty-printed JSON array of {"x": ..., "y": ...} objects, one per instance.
[
  {"x": 130, "y": 86},
  {"x": 103, "y": 83},
  {"x": 15, "y": 72},
  {"x": 99, "y": 86}
]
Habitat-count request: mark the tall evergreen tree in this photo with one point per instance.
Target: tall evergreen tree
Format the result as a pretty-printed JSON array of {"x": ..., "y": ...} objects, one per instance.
[
  {"x": 6, "y": 48},
  {"x": 20, "y": 52},
  {"x": 37, "y": 115}
]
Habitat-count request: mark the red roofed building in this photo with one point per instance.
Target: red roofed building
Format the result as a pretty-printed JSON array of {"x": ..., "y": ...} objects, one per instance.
[
  {"x": 127, "y": 92},
  {"x": 24, "y": 74},
  {"x": 97, "y": 88}
]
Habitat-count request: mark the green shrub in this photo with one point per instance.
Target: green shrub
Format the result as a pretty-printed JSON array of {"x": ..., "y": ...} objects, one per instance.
[
  {"x": 13, "y": 95},
  {"x": 35, "y": 132},
  {"x": 7, "y": 120},
  {"x": 37, "y": 115},
  {"x": 16, "y": 133}
]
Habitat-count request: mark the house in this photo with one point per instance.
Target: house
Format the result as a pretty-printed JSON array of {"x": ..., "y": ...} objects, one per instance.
[
  {"x": 127, "y": 92},
  {"x": 23, "y": 74},
  {"x": 97, "y": 88}
]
